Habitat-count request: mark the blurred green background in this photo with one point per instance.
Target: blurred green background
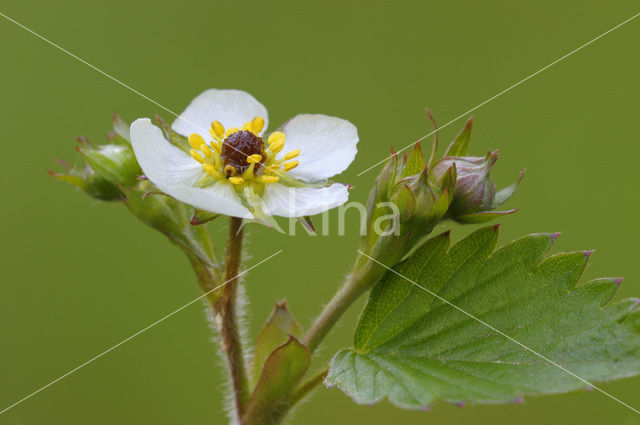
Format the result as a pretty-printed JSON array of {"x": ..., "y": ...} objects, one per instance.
[{"x": 77, "y": 276}]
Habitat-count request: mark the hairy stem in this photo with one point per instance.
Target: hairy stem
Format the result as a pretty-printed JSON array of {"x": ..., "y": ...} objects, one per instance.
[
  {"x": 230, "y": 331},
  {"x": 356, "y": 284}
]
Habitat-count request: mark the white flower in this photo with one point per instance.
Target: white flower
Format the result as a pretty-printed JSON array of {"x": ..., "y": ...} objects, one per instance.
[{"x": 233, "y": 170}]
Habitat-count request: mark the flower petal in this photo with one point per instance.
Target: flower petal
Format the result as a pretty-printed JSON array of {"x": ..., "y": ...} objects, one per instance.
[
  {"x": 174, "y": 172},
  {"x": 162, "y": 163},
  {"x": 327, "y": 145},
  {"x": 232, "y": 108},
  {"x": 219, "y": 198},
  {"x": 287, "y": 201}
]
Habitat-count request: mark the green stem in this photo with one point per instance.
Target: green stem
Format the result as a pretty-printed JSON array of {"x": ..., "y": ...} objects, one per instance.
[
  {"x": 356, "y": 284},
  {"x": 309, "y": 386},
  {"x": 231, "y": 341}
]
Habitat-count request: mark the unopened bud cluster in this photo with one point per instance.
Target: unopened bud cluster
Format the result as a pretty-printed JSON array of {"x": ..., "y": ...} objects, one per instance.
[{"x": 424, "y": 193}]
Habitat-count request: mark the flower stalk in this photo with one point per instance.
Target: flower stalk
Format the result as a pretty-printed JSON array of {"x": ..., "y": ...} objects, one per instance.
[
  {"x": 356, "y": 284},
  {"x": 229, "y": 325}
]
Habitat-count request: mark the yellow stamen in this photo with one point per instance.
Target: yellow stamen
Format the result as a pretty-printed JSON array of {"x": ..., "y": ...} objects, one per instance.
[
  {"x": 230, "y": 132},
  {"x": 196, "y": 140},
  {"x": 292, "y": 154},
  {"x": 272, "y": 167},
  {"x": 247, "y": 126},
  {"x": 257, "y": 124},
  {"x": 275, "y": 136},
  {"x": 216, "y": 130},
  {"x": 210, "y": 169},
  {"x": 229, "y": 170},
  {"x": 255, "y": 158},
  {"x": 195, "y": 155},
  {"x": 216, "y": 147},
  {"x": 206, "y": 151},
  {"x": 236, "y": 180},
  {"x": 268, "y": 179},
  {"x": 290, "y": 165},
  {"x": 276, "y": 146}
]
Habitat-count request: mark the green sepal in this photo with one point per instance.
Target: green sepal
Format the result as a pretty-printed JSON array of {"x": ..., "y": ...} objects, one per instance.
[
  {"x": 449, "y": 178},
  {"x": 115, "y": 163},
  {"x": 439, "y": 208},
  {"x": 415, "y": 163},
  {"x": 306, "y": 222},
  {"x": 121, "y": 130},
  {"x": 275, "y": 332},
  {"x": 482, "y": 216},
  {"x": 282, "y": 372},
  {"x": 201, "y": 217},
  {"x": 460, "y": 145},
  {"x": 434, "y": 147},
  {"x": 505, "y": 194},
  {"x": 174, "y": 138},
  {"x": 91, "y": 183},
  {"x": 379, "y": 193},
  {"x": 406, "y": 203}
]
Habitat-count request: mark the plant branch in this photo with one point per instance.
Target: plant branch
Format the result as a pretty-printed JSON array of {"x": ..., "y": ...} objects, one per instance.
[
  {"x": 309, "y": 386},
  {"x": 356, "y": 284},
  {"x": 231, "y": 341}
]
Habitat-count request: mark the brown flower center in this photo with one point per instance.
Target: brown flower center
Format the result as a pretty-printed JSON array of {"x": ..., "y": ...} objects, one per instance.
[{"x": 238, "y": 147}]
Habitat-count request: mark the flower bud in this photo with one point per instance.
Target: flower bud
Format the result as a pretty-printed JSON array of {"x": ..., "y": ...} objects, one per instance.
[
  {"x": 102, "y": 171},
  {"x": 415, "y": 196},
  {"x": 115, "y": 163},
  {"x": 474, "y": 193},
  {"x": 411, "y": 205},
  {"x": 474, "y": 190},
  {"x": 92, "y": 184}
]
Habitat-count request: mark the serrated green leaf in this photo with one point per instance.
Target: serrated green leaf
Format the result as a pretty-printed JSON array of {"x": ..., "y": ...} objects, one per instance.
[
  {"x": 413, "y": 348},
  {"x": 275, "y": 332},
  {"x": 282, "y": 371}
]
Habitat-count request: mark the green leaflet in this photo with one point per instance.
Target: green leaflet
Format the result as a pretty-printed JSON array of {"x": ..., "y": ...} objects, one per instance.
[
  {"x": 414, "y": 349},
  {"x": 282, "y": 371},
  {"x": 278, "y": 329}
]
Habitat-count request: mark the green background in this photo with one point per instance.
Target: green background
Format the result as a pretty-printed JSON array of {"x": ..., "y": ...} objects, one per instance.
[{"x": 77, "y": 276}]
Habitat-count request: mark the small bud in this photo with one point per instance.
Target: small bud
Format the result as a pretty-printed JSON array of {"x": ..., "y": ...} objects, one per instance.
[
  {"x": 103, "y": 170},
  {"x": 411, "y": 204},
  {"x": 115, "y": 163},
  {"x": 474, "y": 190},
  {"x": 87, "y": 180},
  {"x": 416, "y": 195}
]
